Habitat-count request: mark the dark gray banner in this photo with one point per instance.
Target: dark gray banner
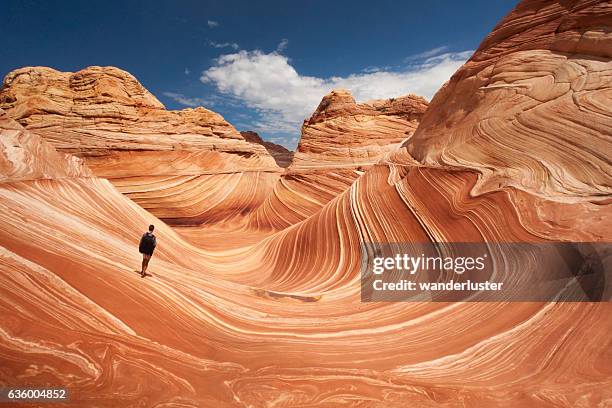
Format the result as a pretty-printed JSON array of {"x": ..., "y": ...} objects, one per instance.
[
  {"x": 486, "y": 272},
  {"x": 28, "y": 395}
]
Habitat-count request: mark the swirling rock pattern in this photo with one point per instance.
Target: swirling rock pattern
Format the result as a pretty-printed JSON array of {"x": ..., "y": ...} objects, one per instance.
[
  {"x": 531, "y": 108},
  {"x": 275, "y": 320},
  {"x": 25, "y": 156}
]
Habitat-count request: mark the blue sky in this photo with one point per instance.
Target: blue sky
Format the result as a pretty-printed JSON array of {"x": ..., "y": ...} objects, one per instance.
[{"x": 263, "y": 65}]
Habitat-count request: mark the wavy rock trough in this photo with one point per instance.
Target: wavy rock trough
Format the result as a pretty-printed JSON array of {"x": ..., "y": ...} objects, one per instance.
[{"x": 513, "y": 148}]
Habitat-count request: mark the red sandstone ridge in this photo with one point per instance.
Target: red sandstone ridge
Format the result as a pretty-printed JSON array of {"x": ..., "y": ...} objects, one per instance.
[
  {"x": 282, "y": 155},
  {"x": 343, "y": 133}
]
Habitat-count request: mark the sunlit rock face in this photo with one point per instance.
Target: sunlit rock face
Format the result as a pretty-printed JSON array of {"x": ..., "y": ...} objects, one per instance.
[
  {"x": 102, "y": 109},
  {"x": 275, "y": 319},
  {"x": 343, "y": 133},
  {"x": 172, "y": 163},
  {"x": 531, "y": 108}
]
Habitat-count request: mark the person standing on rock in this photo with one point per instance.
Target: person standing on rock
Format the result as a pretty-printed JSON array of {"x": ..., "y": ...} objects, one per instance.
[{"x": 146, "y": 248}]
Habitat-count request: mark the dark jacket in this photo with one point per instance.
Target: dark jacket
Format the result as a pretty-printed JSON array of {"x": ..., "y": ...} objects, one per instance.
[{"x": 147, "y": 243}]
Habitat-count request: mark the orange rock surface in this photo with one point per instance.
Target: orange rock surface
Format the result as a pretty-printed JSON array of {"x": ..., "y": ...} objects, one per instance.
[
  {"x": 25, "y": 156},
  {"x": 514, "y": 148}
]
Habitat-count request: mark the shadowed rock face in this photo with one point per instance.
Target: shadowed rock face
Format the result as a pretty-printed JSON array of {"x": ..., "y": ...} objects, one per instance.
[
  {"x": 272, "y": 317},
  {"x": 282, "y": 156}
]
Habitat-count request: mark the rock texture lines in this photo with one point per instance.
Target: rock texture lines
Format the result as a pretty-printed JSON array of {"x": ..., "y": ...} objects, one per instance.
[{"x": 257, "y": 304}]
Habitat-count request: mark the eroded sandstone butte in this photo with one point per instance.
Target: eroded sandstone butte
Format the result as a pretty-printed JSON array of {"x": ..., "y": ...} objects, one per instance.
[
  {"x": 279, "y": 322},
  {"x": 343, "y": 133},
  {"x": 161, "y": 159}
]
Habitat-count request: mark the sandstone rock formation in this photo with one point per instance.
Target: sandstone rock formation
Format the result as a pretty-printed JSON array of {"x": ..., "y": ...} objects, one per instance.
[
  {"x": 276, "y": 320},
  {"x": 105, "y": 116},
  {"x": 532, "y": 98},
  {"x": 99, "y": 110},
  {"x": 339, "y": 141},
  {"x": 342, "y": 133}
]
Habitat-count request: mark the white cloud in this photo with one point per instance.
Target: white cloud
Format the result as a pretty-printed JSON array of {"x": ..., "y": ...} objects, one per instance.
[
  {"x": 282, "y": 46},
  {"x": 223, "y": 45},
  {"x": 187, "y": 71},
  {"x": 427, "y": 54},
  {"x": 212, "y": 24},
  {"x": 376, "y": 69},
  {"x": 188, "y": 100},
  {"x": 283, "y": 98}
]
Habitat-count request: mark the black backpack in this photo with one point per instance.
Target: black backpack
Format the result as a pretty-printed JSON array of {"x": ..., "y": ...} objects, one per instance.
[{"x": 148, "y": 242}]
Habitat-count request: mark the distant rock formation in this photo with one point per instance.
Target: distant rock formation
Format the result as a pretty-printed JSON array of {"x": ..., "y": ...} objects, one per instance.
[
  {"x": 343, "y": 133},
  {"x": 102, "y": 113},
  {"x": 176, "y": 164},
  {"x": 281, "y": 154},
  {"x": 339, "y": 142}
]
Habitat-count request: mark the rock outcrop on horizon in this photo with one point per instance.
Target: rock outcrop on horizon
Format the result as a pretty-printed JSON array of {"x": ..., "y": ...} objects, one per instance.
[
  {"x": 512, "y": 149},
  {"x": 100, "y": 110},
  {"x": 281, "y": 154},
  {"x": 338, "y": 143},
  {"x": 343, "y": 133}
]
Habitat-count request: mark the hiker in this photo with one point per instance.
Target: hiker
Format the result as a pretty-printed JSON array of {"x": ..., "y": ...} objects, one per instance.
[{"x": 146, "y": 248}]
